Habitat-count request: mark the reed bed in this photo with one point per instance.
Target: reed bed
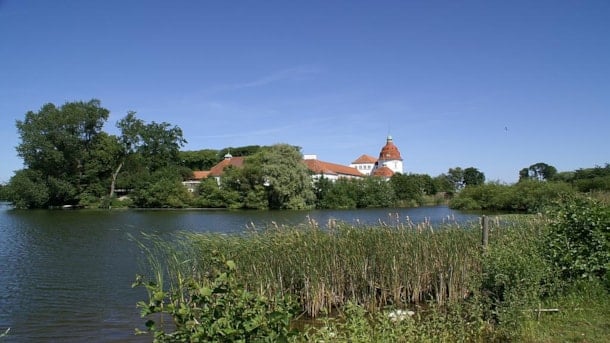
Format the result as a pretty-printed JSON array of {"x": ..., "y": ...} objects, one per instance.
[{"x": 327, "y": 266}]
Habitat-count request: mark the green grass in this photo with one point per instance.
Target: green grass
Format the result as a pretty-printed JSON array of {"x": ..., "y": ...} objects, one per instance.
[{"x": 584, "y": 316}]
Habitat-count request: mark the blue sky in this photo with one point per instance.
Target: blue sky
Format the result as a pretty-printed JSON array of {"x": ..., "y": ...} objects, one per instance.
[{"x": 496, "y": 85}]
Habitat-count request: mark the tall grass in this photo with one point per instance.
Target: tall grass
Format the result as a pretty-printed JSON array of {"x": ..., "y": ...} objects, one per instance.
[{"x": 328, "y": 266}]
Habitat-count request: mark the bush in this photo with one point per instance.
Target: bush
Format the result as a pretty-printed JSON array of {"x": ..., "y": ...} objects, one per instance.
[
  {"x": 526, "y": 196},
  {"x": 216, "y": 309},
  {"x": 578, "y": 241},
  {"x": 515, "y": 274}
]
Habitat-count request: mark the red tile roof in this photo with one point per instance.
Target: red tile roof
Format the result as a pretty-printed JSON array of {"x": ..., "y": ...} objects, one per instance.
[
  {"x": 321, "y": 167},
  {"x": 219, "y": 168},
  {"x": 200, "y": 174},
  {"x": 383, "y": 172},
  {"x": 389, "y": 151},
  {"x": 365, "y": 159}
]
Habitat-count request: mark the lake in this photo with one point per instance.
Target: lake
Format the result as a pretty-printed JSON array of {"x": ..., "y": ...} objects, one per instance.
[{"x": 66, "y": 275}]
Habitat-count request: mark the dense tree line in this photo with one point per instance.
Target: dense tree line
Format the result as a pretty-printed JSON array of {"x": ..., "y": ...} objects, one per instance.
[
  {"x": 70, "y": 161},
  {"x": 539, "y": 185}
]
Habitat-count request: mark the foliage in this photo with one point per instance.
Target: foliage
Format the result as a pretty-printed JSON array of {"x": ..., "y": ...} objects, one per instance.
[
  {"x": 4, "y": 192},
  {"x": 515, "y": 274},
  {"x": 452, "y": 323},
  {"x": 539, "y": 171},
  {"x": 374, "y": 192},
  {"x": 200, "y": 159},
  {"x": 274, "y": 178},
  {"x": 285, "y": 179},
  {"x": 355, "y": 193},
  {"x": 395, "y": 263},
  {"x": 339, "y": 194},
  {"x": 578, "y": 242},
  {"x": 163, "y": 188},
  {"x": 525, "y": 196},
  {"x": 456, "y": 178},
  {"x": 369, "y": 276},
  {"x": 210, "y": 195},
  {"x": 214, "y": 307},
  {"x": 459, "y": 178},
  {"x": 58, "y": 144},
  {"x": 582, "y": 316},
  {"x": 144, "y": 149},
  {"x": 591, "y": 179},
  {"x": 26, "y": 189},
  {"x": 473, "y": 177},
  {"x": 411, "y": 188},
  {"x": 247, "y": 150},
  {"x": 69, "y": 160}
]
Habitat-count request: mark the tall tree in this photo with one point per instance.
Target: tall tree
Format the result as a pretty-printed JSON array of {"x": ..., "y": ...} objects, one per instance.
[
  {"x": 473, "y": 177},
  {"x": 199, "y": 159},
  {"x": 539, "y": 171},
  {"x": 155, "y": 146},
  {"x": 279, "y": 173},
  {"x": 58, "y": 143},
  {"x": 456, "y": 177}
]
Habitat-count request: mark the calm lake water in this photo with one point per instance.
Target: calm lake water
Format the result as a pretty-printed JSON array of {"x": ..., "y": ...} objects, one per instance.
[{"x": 65, "y": 276}]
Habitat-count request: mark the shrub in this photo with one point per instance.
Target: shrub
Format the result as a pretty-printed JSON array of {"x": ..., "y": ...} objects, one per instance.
[
  {"x": 526, "y": 196},
  {"x": 578, "y": 241},
  {"x": 515, "y": 275},
  {"x": 216, "y": 309}
]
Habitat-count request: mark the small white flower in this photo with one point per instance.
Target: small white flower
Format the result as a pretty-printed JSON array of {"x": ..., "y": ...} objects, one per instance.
[{"x": 400, "y": 315}]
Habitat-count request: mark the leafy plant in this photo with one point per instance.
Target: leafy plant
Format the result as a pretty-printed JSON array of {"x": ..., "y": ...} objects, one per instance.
[
  {"x": 215, "y": 309},
  {"x": 578, "y": 241}
]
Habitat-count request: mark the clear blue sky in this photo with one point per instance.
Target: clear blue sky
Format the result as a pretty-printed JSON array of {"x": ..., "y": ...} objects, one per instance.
[{"x": 497, "y": 85}]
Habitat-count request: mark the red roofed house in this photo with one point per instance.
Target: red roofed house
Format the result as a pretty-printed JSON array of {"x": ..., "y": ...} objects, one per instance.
[
  {"x": 331, "y": 171},
  {"x": 365, "y": 164},
  {"x": 216, "y": 171},
  {"x": 192, "y": 183},
  {"x": 229, "y": 160}
]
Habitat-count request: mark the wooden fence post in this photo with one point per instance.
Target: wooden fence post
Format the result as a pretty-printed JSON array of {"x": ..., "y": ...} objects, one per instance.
[{"x": 485, "y": 231}]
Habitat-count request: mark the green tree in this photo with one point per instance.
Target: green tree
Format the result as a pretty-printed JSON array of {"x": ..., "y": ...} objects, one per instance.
[
  {"x": 27, "y": 189},
  {"x": 163, "y": 189},
  {"x": 283, "y": 176},
  {"x": 210, "y": 195},
  {"x": 456, "y": 178},
  {"x": 161, "y": 143},
  {"x": 247, "y": 150},
  {"x": 410, "y": 188},
  {"x": 322, "y": 187},
  {"x": 199, "y": 159},
  {"x": 59, "y": 143},
  {"x": 4, "y": 192},
  {"x": 275, "y": 177},
  {"x": 145, "y": 148},
  {"x": 473, "y": 177},
  {"x": 340, "y": 194},
  {"x": 442, "y": 184},
  {"x": 539, "y": 171},
  {"x": 374, "y": 192}
]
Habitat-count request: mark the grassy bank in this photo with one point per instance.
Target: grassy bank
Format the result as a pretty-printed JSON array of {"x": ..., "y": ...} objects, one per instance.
[{"x": 387, "y": 283}]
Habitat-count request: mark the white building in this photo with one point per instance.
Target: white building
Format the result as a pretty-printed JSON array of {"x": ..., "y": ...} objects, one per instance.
[
  {"x": 389, "y": 157},
  {"x": 388, "y": 163}
]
